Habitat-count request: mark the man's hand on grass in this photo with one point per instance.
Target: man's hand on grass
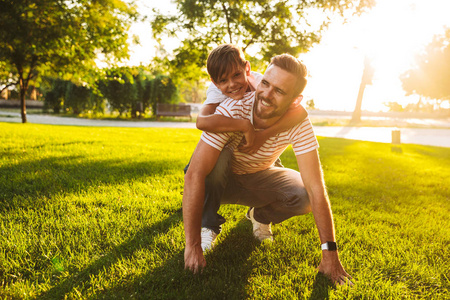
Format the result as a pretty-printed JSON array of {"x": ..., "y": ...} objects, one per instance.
[
  {"x": 194, "y": 259},
  {"x": 331, "y": 267}
]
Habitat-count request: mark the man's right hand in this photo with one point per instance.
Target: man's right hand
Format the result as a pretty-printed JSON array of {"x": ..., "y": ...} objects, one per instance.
[{"x": 194, "y": 259}]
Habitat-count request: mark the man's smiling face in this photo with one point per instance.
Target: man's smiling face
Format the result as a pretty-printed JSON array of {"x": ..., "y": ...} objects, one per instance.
[
  {"x": 234, "y": 84},
  {"x": 275, "y": 93}
]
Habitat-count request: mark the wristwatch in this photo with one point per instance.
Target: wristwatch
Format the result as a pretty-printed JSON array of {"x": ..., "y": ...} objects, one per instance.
[{"x": 330, "y": 246}]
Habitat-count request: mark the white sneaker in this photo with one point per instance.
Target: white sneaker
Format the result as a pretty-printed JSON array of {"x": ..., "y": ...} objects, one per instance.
[
  {"x": 208, "y": 238},
  {"x": 260, "y": 231}
]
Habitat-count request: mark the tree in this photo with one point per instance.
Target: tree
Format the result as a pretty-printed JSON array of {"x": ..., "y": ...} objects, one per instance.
[
  {"x": 430, "y": 77},
  {"x": 162, "y": 90},
  {"x": 61, "y": 37},
  {"x": 366, "y": 79},
  {"x": 268, "y": 27},
  {"x": 54, "y": 96},
  {"x": 77, "y": 98},
  {"x": 310, "y": 104},
  {"x": 119, "y": 89}
]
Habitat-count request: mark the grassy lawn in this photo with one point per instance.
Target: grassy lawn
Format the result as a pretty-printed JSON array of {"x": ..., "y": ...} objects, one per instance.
[{"x": 89, "y": 213}]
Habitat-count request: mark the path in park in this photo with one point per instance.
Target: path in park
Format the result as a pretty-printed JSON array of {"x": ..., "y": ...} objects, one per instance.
[{"x": 421, "y": 136}]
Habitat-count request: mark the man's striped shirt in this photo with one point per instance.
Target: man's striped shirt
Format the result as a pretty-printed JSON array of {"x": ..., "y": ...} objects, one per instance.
[{"x": 301, "y": 137}]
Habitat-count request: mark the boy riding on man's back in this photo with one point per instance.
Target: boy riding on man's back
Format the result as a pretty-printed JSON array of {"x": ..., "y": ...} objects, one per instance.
[{"x": 231, "y": 78}]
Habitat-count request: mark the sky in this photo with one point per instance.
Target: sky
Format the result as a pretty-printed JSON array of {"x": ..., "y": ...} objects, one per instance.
[{"x": 390, "y": 34}]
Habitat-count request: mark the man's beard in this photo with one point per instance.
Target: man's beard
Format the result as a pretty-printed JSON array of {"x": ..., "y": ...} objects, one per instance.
[{"x": 275, "y": 112}]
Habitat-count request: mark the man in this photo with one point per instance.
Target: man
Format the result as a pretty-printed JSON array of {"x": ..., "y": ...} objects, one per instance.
[{"x": 273, "y": 194}]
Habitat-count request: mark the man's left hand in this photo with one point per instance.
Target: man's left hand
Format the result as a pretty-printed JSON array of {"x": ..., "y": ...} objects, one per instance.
[{"x": 331, "y": 267}]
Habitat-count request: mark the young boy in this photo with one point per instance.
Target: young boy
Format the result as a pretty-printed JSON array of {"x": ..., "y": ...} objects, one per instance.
[{"x": 231, "y": 78}]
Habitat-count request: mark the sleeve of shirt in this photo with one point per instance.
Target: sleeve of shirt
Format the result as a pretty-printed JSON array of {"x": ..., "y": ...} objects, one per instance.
[
  {"x": 229, "y": 108},
  {"x": 214, "y": 95},
  {"x": 254, "y": 79},
  {"x": 302, "y": 138}
]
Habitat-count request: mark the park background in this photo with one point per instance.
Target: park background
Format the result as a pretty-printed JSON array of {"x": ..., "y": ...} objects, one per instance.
[{"x": 94, "y": 211}]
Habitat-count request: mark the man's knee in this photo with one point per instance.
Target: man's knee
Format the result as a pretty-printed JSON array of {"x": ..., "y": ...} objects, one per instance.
[{"x": 299, "y": 201}]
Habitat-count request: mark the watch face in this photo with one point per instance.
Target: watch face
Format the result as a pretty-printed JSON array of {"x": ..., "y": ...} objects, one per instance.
[{"x": 332, "y": 246}]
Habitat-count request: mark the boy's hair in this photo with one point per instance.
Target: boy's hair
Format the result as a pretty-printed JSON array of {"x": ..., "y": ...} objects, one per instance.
[
  {"x": 293, "y": 65},
  {"x": 224, "y": 59}
]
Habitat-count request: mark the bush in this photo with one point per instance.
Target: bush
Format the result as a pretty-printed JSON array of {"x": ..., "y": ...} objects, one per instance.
[{"x": 162, "y": 90}]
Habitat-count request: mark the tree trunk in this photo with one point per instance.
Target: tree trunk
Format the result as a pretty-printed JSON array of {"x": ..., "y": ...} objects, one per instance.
[
  {"x": 356, "y": 116},
  {"x": 365, "y": 80},
  {"x": 23, "y": 103}
]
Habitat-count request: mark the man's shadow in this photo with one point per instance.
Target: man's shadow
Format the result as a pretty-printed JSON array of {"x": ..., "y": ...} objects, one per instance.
[
  {"x": 79, "y": 280},
  {"x": 225, "y": 277},
  {"x": 229, "y": 266}
]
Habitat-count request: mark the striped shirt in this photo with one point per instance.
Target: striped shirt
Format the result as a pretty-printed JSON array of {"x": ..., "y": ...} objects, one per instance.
[{"x": 301, "y": 137}]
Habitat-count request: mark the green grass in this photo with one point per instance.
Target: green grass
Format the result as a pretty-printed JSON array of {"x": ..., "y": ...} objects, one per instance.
[{"x": 89, "y": 213}]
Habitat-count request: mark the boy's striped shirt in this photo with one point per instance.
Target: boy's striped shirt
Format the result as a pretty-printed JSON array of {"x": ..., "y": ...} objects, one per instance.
[{"x": 301, "y": 137}]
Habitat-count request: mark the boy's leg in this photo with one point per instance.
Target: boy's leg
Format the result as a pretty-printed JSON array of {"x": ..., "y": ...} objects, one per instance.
[
  {"x": 215, "y": 184},
  {"x": 276, "y": 194}
]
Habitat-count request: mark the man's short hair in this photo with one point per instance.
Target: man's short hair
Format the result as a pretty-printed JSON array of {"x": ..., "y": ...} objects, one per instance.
[
  {"x": 293, "y": 65},
  {"x": 224, "y": 59}
]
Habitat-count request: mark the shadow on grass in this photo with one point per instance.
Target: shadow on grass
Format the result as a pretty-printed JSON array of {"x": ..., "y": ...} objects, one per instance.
[
  {"x": 80, "y": 280},
  {"x": 321, "y": 287},
  {"x": 225, "y": 277},
  {"x": 32, "y": 181}
]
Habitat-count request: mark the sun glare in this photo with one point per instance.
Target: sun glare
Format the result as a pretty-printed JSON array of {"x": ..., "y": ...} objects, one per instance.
[{"x": 390, "y": 35}]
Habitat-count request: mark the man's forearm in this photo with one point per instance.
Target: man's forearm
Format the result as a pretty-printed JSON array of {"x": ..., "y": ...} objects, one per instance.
[
  {"x": 202, "y": 162},
  {"x": 193, "y": 198},
  {"x": 323, "y": 217}
]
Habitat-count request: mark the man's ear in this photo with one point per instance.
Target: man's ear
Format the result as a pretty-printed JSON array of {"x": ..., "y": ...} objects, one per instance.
[
  {"x": 247, "y": 68},
  {"x": 299, "y": 98},
  {"x": 296, "y": 101}
]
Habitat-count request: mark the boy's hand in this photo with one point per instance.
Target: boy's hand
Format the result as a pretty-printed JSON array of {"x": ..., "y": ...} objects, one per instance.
[
  {"x": 249, "y": 135},
  {"x": 258, "y": 141}
]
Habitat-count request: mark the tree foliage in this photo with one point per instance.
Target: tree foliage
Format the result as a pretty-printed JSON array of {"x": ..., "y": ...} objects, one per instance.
[
  {"x": 124, "y": 89},
  {"x": 430, "y": 77},
  {"x": 54, "y": 94},
  {"x": 61, "y": 37},
  {"x": 119, "y": 89},
  {"x": 268, "y": 27},
  {"x": 162, "y": 90},
  {"x": 77, "y": 98}
]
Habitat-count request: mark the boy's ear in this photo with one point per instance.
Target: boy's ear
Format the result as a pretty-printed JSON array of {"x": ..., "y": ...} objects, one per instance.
[
  {"x": 212, "y": 80},
  {"x": 247, "y": 68}
]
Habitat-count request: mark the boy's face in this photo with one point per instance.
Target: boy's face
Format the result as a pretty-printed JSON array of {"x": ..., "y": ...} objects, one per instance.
[{"x": 234, "y": 84}]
